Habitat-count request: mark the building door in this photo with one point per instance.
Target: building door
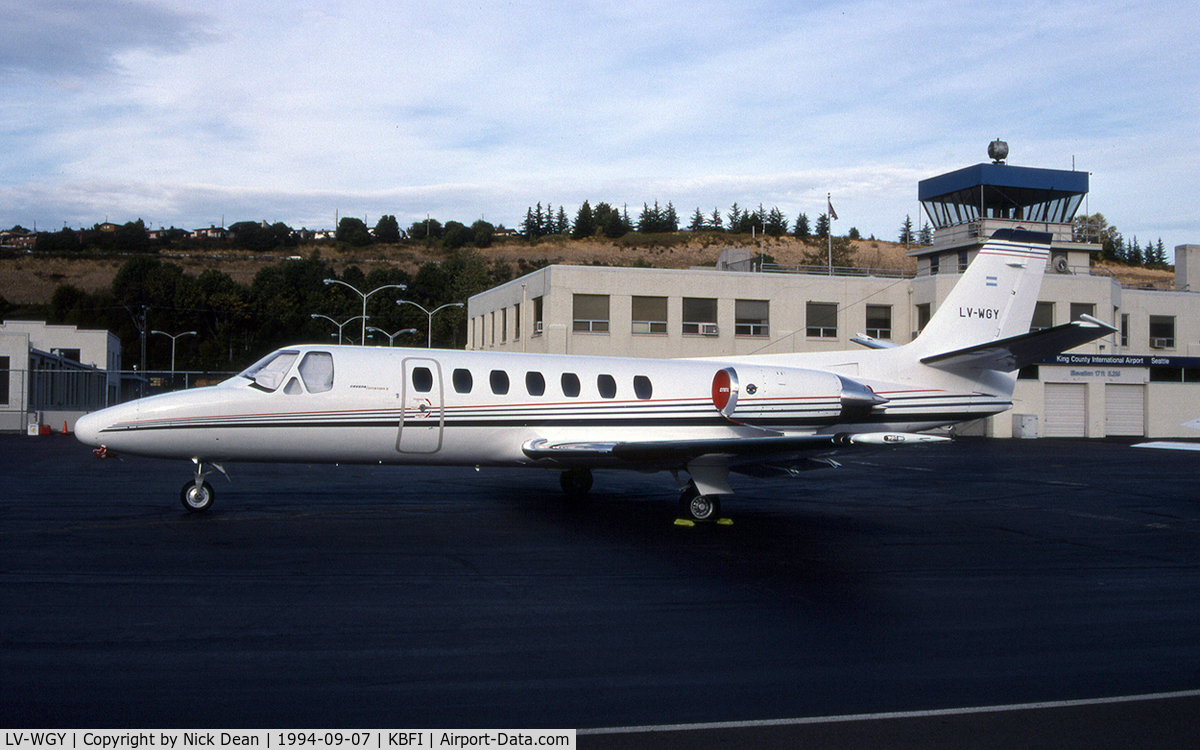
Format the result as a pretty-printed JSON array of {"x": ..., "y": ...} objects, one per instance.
[
  {"x": 1125, "y": 409},
  {"x": 424, "y": 416},
  {"x": 1066, "y": 410}
]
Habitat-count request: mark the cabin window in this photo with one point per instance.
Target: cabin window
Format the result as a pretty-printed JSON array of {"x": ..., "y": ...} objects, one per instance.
[
  {"x": 822, "y": 320},
  {"x": 499, "y": 382},
  {"x": 607, "y": 385},
  {"x": 462, "y": 380},
  {"x": 535, "y": 383},
  {"x": 751, "y": 317},
  {"x": 268, "y": 373},
  {"x": 293, "y": 388},
  {"x": 649, "y": 315},
  {"x": 570, "y": 385},
  {"x": 317, "y": 371},
  {"x": 422, "y": 379},
  {"x": 642, "y": 387}
]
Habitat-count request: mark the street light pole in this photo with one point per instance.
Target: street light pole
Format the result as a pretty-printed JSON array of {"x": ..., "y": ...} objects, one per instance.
[
  {"x": 173, "y": 339},
  {"x": 391, "y": 337},
  {"x": 339, "y": 325},
  {"x": 429, "y": 336},
  {"x": 364, "y": 296}
]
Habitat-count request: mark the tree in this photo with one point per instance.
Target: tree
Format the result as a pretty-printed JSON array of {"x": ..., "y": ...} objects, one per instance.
[
  {"x": 456, "y": 235},
  {"x": 715, "y": 222},
  {"x": 611, "y": 222},
  {"x": 353, "y": 232},
  {"x": 585, "y": 223},
  {"x": 387, "y": 229},
  {"x": 483, "y": 233},
  {"x": 63, "y": 241},
  {"x": 735, "y": 218},
  {"x": 699, "y": 223},
  {"x": 823, "y": 226},
  {"x": 425, "y": 229},
  {"x": 802, "y": 231},
  {"x": 776, "y": 224},
  {"x": 906, "y": 232}
]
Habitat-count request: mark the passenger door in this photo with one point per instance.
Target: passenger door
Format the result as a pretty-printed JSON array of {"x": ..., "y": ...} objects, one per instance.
[{"x": 424, "y": 415}]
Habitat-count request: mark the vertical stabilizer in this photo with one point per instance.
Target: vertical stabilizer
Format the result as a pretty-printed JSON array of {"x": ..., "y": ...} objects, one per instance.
[{"x": 995, "y": 297}]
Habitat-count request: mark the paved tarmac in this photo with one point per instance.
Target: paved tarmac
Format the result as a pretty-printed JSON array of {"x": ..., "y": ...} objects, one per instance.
[{"x": 981, "y": 573}]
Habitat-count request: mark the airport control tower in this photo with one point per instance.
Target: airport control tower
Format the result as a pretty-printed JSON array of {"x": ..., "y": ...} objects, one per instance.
[{"x": 966, "y": 206}]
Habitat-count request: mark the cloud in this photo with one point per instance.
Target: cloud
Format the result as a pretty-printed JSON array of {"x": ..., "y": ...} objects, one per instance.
[{"x": 79, "y": 39}]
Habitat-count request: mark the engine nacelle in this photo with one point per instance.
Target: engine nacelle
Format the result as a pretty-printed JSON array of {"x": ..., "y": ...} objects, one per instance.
[{"x": 790, "y": 397}]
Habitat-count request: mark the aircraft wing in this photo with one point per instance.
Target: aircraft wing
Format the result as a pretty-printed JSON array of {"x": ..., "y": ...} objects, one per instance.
[
  {"x": 654, "y": 451},
  {"x": 1015, "y": 352},
  {"x": 1169, "y": 445}
]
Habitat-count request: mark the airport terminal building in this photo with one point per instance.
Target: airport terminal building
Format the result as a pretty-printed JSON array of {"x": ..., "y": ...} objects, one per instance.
[{"x": 1142, "y": 381}]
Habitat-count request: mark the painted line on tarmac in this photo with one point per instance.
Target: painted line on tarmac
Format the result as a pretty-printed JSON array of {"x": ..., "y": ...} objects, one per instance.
[{"x": 892, "y": 714}]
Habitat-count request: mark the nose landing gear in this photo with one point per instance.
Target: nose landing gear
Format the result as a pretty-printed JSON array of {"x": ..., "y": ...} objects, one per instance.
[{"x": 197, "y": 495}]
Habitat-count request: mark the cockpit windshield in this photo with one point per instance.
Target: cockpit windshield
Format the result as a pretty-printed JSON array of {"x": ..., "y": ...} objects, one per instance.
[{"x": 268, "y": 373}]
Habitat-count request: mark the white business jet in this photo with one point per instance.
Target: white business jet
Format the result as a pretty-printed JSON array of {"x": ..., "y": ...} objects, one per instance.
[{"x": 702, "y": 417}]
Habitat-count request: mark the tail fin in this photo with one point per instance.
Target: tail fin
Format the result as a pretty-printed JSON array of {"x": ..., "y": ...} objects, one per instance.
[{"x": 995, "y": 297}]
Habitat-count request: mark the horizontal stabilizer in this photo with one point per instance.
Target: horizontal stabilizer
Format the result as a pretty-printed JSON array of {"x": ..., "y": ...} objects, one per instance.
[{"x": 1015, "y": 352}]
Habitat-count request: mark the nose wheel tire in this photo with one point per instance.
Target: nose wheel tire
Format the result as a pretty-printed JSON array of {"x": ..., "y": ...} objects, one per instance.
[{"x": 197, "y": 498}]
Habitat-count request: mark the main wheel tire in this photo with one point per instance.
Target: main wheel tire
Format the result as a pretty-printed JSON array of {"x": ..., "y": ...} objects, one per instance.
[
  {"x": 696, "y": 507},
  {"x": 197, "y": 499},
  {"x": 575, "y": 482}
]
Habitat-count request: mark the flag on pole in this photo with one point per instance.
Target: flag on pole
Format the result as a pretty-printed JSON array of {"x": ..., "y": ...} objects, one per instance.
[{"x": 832, "y": 213}]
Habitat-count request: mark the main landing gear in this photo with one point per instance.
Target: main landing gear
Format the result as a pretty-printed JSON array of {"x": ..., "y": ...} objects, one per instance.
[
  {"x": 696, "y": 507},
  {"x": 197, "y": 495},
  {"x": 693, "y": 506}
]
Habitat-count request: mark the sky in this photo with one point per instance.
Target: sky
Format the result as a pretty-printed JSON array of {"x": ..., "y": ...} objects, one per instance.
[{"x": 208, "y": 112}]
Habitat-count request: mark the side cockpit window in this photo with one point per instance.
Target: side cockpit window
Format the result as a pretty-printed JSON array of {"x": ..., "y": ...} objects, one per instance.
[
  {"x": 317, "y": 371},
  {"x": 268, "y": 374}
]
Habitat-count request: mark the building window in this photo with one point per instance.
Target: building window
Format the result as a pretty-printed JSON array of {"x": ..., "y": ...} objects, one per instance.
[
  {"x": 537, "y": 316},
  {"x": 964, "y": 260},
  {"x": 1162, "y": 331},
  {"x": 934, "y": 265},
  {"x": 591, "y": 313},
  {"x": 5, "y": 364},
  {"x": 1079, "y": 309},
  {"x": 822, "y": 320},
  {"x": 700, "y": 316},
  {"x": 516, "y": 322},
  {"x": 879, "y": 321},
  {"x": 649, "y": 315},
  {"x": 503, "y": 325},
  {"x": 751, "y": 317},
  {"x": 1043, "y": 316},
  {"x": 1125, "y": 329},
  {"x": 924, "y": 312}
]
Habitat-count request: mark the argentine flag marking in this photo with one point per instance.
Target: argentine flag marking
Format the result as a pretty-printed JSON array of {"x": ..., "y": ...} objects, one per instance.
[{"x": 991, "y": 281}]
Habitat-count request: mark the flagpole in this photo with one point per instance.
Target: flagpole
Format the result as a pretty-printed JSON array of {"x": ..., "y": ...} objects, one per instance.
[{"x": 829, "y": 234}]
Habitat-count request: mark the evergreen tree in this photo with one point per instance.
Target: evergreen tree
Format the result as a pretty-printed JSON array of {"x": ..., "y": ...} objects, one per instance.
[
  {"x": 585, "y": 223},
  {"x": 714, "y": 221},
  {"x": 906, "y": 232},
  {"x": 802, "y": 230},
  {"x": 387, "y": 229},
  {"x": 776, "y": 224},
  {"x": 699, "y": 223},
  {"x": 823, "y": 226},
  {"x": 735, "y": 218}
]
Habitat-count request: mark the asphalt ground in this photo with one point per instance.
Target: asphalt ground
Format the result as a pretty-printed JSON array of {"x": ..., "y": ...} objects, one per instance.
[{"x": 984, "y": 593}]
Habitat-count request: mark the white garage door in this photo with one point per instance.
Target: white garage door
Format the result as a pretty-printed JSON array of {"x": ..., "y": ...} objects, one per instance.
[
  {"x": 1066, "y": 410},
  {"x": 1124, "y": 409}
]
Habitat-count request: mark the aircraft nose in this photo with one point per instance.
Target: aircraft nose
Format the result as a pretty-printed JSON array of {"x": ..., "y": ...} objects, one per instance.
[{"x": 87, "y": 428}]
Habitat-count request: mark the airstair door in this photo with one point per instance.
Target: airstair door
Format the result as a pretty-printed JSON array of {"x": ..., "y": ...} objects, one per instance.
[{"x": 424, "y": 415}]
